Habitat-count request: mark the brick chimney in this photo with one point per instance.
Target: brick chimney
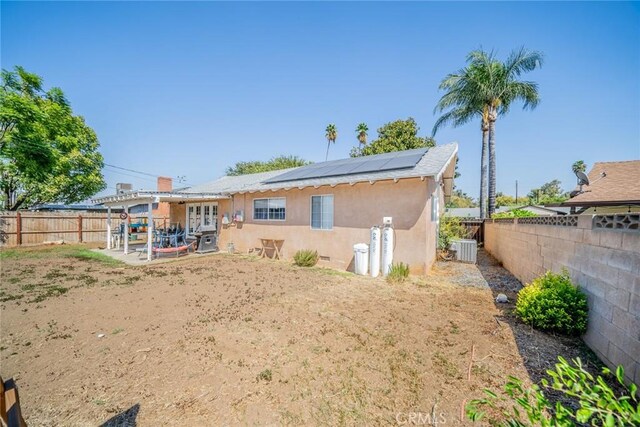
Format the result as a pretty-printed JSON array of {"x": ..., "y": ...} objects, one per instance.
[{"x": 165, "y": 183}]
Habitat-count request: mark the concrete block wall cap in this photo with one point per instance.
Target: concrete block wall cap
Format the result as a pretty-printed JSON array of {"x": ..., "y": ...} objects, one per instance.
[{"x": 585, "y": 221}]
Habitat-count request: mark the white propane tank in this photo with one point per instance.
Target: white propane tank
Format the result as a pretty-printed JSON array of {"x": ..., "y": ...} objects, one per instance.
[
  {"x": 374, "y": 251},
  {"x": 387, "y": 248}
]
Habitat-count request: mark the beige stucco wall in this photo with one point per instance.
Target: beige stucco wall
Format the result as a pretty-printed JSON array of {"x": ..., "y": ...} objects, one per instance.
[
  {"x": 356, "y": 209},
  {"x": 178, "y": 214},
  {"x": 605, "y": 263}
]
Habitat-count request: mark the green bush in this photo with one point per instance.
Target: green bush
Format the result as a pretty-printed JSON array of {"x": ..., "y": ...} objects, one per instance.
[
  {"x": 552, "y": 303},
  {"x": 516, "y": 213},
  {"x": 398, "y": 273},
  {"x": 594, "y": 402},
  {"x": 450, "y": 229},
  {"x": 306, "y": 258}
]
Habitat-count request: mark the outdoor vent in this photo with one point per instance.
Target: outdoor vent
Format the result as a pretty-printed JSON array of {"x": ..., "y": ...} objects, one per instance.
[
  {"x": 324, "y": 258},
  {"x": 466, "y": 250}
]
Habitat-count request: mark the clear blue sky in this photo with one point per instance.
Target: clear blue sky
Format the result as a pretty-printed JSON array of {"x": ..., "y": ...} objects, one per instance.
[{"x": 190, "y": 88}]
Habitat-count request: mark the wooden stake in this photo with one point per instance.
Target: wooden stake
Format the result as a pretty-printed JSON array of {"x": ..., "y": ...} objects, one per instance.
[{"x": 473, "y": 350}]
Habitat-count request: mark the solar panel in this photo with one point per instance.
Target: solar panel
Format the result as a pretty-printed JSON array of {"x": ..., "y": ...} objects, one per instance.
[{"x": 356, "y": 165}]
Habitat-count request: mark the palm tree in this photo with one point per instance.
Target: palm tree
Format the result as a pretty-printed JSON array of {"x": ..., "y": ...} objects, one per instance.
[
  {"x": 331, "y": 132},
  {"x": 362, "y": 130},
  {"x": 497, "y": 87},
  {"x": 579, "y": 166},
  {"x": 464, "y": 107}
]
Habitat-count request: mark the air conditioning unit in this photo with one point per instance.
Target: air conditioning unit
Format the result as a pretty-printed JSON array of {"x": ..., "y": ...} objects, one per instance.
[
  {"x": 466, "y": 250},
  {"x": 121, "y": 187}
]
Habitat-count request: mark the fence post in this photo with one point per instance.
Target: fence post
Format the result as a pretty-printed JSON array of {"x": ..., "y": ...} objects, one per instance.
[
  {"x": 18, "y": 228},
  {"x": 80, "y": 228}
]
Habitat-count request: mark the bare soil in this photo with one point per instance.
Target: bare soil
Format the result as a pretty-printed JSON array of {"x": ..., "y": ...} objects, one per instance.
[{"x": 228, "y": 339}]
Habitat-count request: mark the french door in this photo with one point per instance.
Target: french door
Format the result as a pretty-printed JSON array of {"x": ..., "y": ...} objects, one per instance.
[{"x": 201, "y": 215}]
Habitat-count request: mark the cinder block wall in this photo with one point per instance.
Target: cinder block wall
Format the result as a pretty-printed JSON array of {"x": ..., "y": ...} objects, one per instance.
[{"x": 604, "y": 262}]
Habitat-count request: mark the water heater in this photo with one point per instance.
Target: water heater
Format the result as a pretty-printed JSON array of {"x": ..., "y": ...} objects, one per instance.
[
  {"x": 387, "y": 248},
  {"x": 374, "y": 251}
]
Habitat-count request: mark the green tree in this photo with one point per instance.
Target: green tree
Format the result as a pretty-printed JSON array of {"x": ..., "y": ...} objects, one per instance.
[
  {"x": 550, "y": 192},
  {"x": 504, "y": 200},
  {"x": 462, "y": 105},
  {"x": 460, "y": 199},
  {"x": 331, "y": 133},
  {"x": 276, "y": 163},
  {"x": 47, "y": 154},
  {"x": 489, "y": 87},
  {"x": 362, "y": 130},
  {"x": 395, "y": 136}
]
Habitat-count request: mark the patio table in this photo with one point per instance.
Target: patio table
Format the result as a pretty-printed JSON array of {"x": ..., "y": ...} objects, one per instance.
[{"x": 273, "y": 244}]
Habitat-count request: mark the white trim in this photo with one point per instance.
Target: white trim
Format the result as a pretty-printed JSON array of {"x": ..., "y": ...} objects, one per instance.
[
  {"x": 311, "y": 212},
  {"x": 202, "y": 217},
  {"x": 253, "y": 209}
]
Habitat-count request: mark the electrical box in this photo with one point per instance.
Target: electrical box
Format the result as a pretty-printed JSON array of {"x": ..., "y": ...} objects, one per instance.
[{"x": 387, "y": 220}]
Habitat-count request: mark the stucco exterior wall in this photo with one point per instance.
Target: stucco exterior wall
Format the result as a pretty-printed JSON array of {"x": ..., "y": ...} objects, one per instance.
[
  {"x": 356, "y": 208},
  {"x": 604, "y": 262}
]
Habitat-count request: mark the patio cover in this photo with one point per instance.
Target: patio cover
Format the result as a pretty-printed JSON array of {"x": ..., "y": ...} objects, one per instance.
[{"x": 133, "y": 198}]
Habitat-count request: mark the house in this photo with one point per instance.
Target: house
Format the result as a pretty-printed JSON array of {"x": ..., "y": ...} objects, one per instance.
[
  {"x": 613, "y": 187},
  {"x": 327, "y": 206},
  {"x": 80, "y": 208},
  {"x": 473, "y": 213}
]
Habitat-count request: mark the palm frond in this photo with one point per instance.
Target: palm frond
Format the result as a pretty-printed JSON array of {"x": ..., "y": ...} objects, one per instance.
[{"x": 522, "y": 61}]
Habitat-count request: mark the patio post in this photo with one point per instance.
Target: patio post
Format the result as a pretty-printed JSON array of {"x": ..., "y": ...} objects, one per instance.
[
  {"x": 149, "y": 230},
  {"x": 108, "y": 227},
  {"x": 126, "y": 230}
]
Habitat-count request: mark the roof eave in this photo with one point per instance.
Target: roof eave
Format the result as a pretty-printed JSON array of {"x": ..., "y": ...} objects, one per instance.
[{"x": 139, "y": 197}]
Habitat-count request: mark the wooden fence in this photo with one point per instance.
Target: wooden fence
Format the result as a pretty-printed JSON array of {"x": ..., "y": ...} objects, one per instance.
[
  {"x": 33, "y": 228},
  {"x": 475, "y": 229}
]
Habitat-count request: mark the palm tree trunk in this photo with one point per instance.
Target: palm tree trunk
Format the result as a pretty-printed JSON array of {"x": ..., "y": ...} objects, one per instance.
[
  {"x": 483, "y": 172},
  {"x": 327, "y": 156},
  {"x": 492, "y": 165}
]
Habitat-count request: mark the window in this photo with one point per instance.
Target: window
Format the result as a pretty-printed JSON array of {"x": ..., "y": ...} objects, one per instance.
[
  {"x": 269, "y": 209},
  {"x": 322, "y": 212},
  {"x": 435, "y": 206}
]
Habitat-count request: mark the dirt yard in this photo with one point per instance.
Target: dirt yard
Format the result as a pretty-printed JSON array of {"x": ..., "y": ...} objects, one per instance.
[{"x": 225, "y": 340}]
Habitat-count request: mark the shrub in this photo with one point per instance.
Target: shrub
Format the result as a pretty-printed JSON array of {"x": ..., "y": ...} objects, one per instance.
[
  {"x": 595, "y": 403},
  {"x": 398, "y": 273},
  {"x": 552, "y": 303},
  {"x": 450, "y": 229},
  {"x": 305, "y": 258},
  {"x": 265, "y": 375},
  {"x": 516, "y": 213}
]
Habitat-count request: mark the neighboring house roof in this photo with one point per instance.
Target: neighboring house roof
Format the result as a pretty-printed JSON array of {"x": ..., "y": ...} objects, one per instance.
[
  {"x": 543, "y": 210},
  {"x": 475, "y": 212},
  {"x": 433, "y": 163},
  {"x": 469, "y": 212},
  {"x": 620, "y": 185},
  {"x": 74, "y": 207}
]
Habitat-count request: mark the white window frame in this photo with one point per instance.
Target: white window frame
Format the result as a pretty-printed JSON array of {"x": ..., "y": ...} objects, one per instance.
[
  {"x": 311, "y": 212},
  {"x": 268, "y": 199},
  {"x": 214, "y": 218}
]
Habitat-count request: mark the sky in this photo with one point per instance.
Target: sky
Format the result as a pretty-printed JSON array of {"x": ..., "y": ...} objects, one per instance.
[{"x": 187, "y": 89}]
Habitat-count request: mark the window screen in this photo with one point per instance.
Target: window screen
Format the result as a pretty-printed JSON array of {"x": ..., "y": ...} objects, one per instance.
[
  {"x": 322, "y": 212},
  {"x": 269, "y": 209}
]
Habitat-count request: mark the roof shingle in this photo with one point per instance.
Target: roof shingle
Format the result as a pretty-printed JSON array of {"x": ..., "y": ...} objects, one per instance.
[{"x": 619, "y": 186}]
